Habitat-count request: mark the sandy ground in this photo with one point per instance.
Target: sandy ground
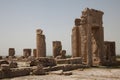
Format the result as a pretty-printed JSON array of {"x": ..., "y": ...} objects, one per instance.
[{"x": 87, "y": 74}]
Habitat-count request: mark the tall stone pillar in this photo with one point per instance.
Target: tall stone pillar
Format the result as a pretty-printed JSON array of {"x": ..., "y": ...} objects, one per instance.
[
  {"x": 75, "y": 38},
  {"x": 11, "y": 52},
  {"x": 40, "y": 43},
  {"x": 57, "y": 47}
]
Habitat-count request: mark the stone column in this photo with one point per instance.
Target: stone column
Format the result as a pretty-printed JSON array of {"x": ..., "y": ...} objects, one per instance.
[
  {"x": 76, "y": 50},
  {"x": 26, "y": 52},
  {"x": 110, "y": 54},
  {"x": 63, "y": 54},
  {"x": 11, "y": 52},
  {"x": 34, "y": 52},
  {"x": 40, "y": 43},
  {"x": 57, "y": 47}
]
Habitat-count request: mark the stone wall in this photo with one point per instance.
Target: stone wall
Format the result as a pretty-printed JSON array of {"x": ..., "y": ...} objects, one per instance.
[
  {"x": 110, "y": 54},
  {"x": 44, "y": 61}
]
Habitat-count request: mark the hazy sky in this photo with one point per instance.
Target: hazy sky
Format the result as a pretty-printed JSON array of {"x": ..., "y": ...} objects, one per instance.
[{"x": 19, "y": 20}]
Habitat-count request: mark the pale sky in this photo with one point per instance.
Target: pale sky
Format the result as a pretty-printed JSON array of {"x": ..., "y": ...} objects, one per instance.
[{"x": 19, "y": 20}]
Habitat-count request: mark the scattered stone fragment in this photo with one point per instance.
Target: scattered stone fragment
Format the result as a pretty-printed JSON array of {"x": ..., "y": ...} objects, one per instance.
[
  {"x": 13, "y": 64},
  {"x": 59, "y": 72},
  {"x": 39, "y": 70},
  {"x": 67, "y": 73},
  {"x": 3, "y": 62}
]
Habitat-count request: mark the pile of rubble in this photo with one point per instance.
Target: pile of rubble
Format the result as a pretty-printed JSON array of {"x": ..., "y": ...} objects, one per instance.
[
  {"x": 40, "y": 66},
  {"x": 44, "y": 61}
]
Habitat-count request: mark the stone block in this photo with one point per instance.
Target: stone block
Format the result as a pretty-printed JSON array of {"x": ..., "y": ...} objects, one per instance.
[
  {"x": 3, "y": 62},
  {"x": 44, "y": 61},
  {"x": 57, "y": 47},
  {"x": 13, "y": 64},
  {"x": 11, "y": 52},
  {"x": 26, "y": 53},
  {"x": 39, "y": 70}
]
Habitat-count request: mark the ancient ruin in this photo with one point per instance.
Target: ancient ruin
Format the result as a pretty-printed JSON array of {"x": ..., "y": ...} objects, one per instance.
[
  {"x": 88, "y": 37},
  {"x": 11, "y": 52},
  {"x": 26, "y": 53},
  {"x": 34, "y": 52},
  {"x": 110, "y": 54},
  {"x": 40, "y": 43},
  {"x": 57, "y": 47},
  {"x": 57, "y": 50},
  {"x": 88, "y": 49}
]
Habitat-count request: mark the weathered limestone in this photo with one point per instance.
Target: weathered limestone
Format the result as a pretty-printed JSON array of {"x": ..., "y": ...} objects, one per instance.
[
  {"x": 16, "y": 72},
  {"x": 3, "y": 62},
  {"x": 26, "y": 53},
  {"x": 63, "y": 54},
  {"x": 39, "y": 70},
  {"x": 40, "y": 43},
  {"x": 11, "y": 52},
  {"x": 34, "y": 52},
  {"x": 6, "y": 72},
  {"x": 57, "y": 47},
  {"x": 110, "y": 54},
  {"x": 88, "y": 38},
  {"x": 76, "y": 60},
  {"x": 1, "y": 57},
  {"x": 44, "y": 61},
  {"x": 13, "y": 64}
]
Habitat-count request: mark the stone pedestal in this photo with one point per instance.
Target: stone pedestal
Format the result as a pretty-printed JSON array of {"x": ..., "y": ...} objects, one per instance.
[{"x": 40, "y": 43}]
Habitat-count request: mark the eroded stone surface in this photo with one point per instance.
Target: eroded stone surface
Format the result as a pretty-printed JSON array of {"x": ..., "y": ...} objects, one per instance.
[
  {"x": 88, "y": 38},
  {"x": 40, "y": 43},
  {"x": 57, "y": 47},
  {"x": 11, "y": 52},
  {"x": 26, "y": 53}
]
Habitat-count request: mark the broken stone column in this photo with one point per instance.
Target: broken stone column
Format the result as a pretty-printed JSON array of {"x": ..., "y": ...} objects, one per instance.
[
  {"x": 63, "y": 54},
  {"x": 110, "y": 54},
  {"x": 0, "y": 57},
  {"x": 11, "y": 52},
  {"x": 76, "y": 50},
  {"x": 26, "y": 53},
  {"x": 34, "y": 52},
  {"x": 40, "y": 43},
  {"x": 57, "y": 47}
]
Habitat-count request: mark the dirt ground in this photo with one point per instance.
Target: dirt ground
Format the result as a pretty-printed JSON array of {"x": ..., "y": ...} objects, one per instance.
[{"x": 86, "y": 74}]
